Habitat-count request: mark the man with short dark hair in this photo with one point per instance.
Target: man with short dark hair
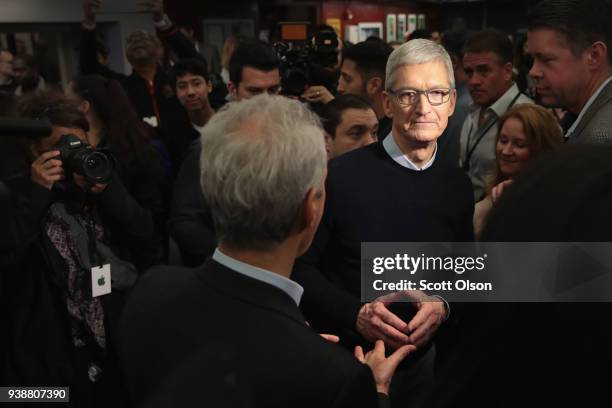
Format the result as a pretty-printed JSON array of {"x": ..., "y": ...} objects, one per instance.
[
  {"x": 26, "y": 75},
  {"x": 349, "y": 122},
  {"x": 363, "y": 73},
  {"x": 570, "y": 41},
  {"x": 192, "y": 87},
  {"x": 487, "y": 62},
  {"x": 254, "y": 69}
]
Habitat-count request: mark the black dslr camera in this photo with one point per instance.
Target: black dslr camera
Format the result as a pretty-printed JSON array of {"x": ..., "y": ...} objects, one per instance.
[
  {"x": 309, "y": 64},
  {"x": 77, "y": 156}
]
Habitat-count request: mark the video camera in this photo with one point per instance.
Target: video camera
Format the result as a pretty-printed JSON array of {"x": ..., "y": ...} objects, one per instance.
[{"x": 308, "y": 64}]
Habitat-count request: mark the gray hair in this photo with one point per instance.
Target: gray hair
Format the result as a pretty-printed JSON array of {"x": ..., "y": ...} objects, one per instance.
[
  {"x": 414, "y": 52},
  {"x": 259, "y": 159}
]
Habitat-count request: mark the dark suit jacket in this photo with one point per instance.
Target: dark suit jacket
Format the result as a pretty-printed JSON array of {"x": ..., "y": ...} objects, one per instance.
[
  {"x": 190, "y": 222},
  {"x": 595, "y": 126},
  {"x": 175, "y": 313}
]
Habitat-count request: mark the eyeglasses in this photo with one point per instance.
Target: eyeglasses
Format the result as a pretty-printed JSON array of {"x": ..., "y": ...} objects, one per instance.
[{"x": 410, "y": 97}]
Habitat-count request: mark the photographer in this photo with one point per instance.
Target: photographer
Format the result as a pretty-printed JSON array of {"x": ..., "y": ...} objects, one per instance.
[
  {"x": 63, "y": 306},
  {"x": 114, "y": 124}
]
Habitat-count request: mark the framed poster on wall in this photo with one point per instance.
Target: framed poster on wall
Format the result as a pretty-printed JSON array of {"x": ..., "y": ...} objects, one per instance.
[
  {"x": 351, "y": 33},
  {"x": 367, "y": 30},
  {"x": 401, "y": 27},
  {"x": 421, "y": 22},
  {"x": 391, "y": 27},
  {"x": 412, "y": 23}
]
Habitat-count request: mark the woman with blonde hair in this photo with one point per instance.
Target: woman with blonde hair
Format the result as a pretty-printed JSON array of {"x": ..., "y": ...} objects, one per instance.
[{"x": 525, "y": 132}]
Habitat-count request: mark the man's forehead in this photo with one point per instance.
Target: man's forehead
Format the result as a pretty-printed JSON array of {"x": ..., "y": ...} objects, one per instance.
[
  {"x": 428, "y": 75},
  {"x": 352, "y": 116},
  {"x": 349, "y": 67},
  {"x": 189, "y": 76},
  {"x": 140, "y": 35},
  {"x": 257, "y": 77},
  {"x": 480, "y": 58},
  {"x": 543, "y": 39}
]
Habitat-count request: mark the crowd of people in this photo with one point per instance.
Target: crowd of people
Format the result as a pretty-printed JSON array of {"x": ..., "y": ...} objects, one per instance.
[{"x": 267, "y": 199}]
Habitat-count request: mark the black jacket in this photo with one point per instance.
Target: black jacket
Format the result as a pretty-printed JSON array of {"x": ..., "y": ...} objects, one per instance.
[
  {"x": 176, "y": 313},
  {"x": 40, "y": 346},
  {"x": 190, "y": 222}
]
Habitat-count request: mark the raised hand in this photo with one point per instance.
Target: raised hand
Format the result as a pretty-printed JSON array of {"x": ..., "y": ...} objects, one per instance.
[{"x": 46, "y": 170}]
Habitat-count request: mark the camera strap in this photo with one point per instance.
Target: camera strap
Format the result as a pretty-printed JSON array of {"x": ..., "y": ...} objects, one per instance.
[{"x": 94, "y": 256}]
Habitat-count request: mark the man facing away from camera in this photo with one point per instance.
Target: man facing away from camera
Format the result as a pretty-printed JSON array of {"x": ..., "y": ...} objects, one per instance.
[{"x": 263, "y": 172}]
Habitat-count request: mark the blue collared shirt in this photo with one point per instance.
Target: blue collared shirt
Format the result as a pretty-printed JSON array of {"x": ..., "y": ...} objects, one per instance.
[
  {"x": 293, "y": 289},
  {"x": 400, "y": 158}
]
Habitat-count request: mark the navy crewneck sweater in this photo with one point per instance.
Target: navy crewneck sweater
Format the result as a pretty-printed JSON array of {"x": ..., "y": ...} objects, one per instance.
[{"x": 372, "y": 198}]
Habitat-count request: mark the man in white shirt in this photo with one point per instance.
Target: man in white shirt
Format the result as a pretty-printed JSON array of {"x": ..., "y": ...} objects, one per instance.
[
  {"x": 487, "y": 62},
  {"x": 570, "y": 42}
]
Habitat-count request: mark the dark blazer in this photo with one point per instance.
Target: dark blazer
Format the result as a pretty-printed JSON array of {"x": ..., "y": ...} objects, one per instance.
[
  {"x": 190, "y": 223},
  {"x": 595, "y": 125},
  {"x": 175, "y": 313}
]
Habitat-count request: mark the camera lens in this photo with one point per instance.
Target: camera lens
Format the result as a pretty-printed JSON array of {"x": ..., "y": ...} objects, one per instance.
[{"x": 98, "y": 167}]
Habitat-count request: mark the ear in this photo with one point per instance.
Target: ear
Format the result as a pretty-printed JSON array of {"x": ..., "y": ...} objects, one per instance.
[
  {"x": 374, "y": 86},
  {"x": 597, "y": 54},
  {"x": 508, "y": 74},
  {"x": 209, "y": 86},
  {"x": 232, "y": 89},
  {"x": 452, "y": 103},
  {"x": 387, "y": 104},
  {"x": 328, "y": 144}
]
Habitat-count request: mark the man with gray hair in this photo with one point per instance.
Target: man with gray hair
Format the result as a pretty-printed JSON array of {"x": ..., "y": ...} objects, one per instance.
[
  {"x": 394, "y": 190},
  {"x": 263, "y": 172}
]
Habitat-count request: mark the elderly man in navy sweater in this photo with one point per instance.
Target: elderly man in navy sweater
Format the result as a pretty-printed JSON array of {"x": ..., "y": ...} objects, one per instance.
[{"x": 393, "y": 190}]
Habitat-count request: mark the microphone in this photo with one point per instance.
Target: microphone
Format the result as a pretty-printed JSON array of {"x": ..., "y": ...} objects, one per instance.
[{"x": 33, "y": 128}]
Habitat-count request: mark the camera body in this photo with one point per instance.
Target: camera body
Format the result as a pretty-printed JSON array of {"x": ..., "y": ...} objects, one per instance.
[
  {"x": 312, "y": 63},
  {"x": 96, "y": 165}
]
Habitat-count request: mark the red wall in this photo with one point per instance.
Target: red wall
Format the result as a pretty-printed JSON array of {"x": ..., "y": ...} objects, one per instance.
[
  {"x": 362, "y": 13},
  {"x": 369, "y": 12}
]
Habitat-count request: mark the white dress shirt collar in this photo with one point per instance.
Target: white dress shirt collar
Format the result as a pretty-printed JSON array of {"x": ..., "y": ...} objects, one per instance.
[
  {"x": 291, "y": 288},
  {"x": 400, "y": 158}
]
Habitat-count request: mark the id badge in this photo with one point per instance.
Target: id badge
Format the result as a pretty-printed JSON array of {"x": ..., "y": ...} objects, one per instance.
[{"x": 100, "y": 280}]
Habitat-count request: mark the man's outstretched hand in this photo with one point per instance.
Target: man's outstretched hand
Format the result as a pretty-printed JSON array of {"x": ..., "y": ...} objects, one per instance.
[{"x": 383, "y": 367}]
